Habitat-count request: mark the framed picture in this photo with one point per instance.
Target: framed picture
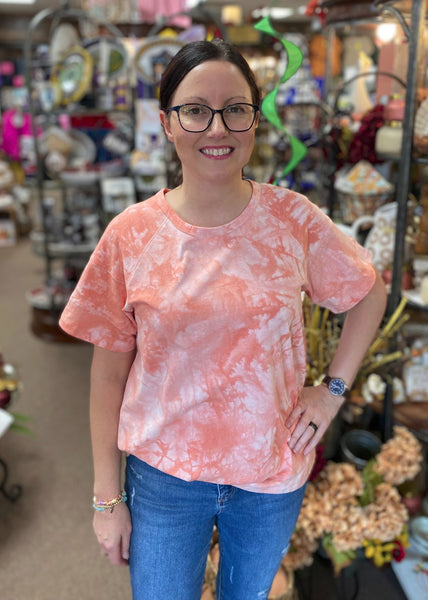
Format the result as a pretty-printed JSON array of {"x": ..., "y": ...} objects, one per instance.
[
  {"x": 117, "y": 193},
  {"x": 152, "y": 57},
  {"x": 110, "y": 56},
  {"x": 73, "y": 74}
]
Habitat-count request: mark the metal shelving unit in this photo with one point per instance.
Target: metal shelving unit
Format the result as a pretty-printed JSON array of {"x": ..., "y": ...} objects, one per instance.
[
  {"x": 410, "y": 14},
  {"x": 54, "y": 17},
  {"x": 45, "y": 319},
  {"x": 414, "y": 33}
]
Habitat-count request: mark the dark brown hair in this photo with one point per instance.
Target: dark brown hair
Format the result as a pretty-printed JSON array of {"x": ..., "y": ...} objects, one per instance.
[{"x": 196, "y": 53}]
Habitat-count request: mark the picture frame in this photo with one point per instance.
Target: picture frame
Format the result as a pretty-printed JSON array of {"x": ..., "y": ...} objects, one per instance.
[{"x": 152, "y": 57}]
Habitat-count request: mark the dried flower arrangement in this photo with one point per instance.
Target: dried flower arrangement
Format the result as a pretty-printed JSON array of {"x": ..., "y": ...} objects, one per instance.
[
  {"x": 385, "y": 361},
  {"x": 323, "y": 330},
  {"x": 360, "y": 510}
]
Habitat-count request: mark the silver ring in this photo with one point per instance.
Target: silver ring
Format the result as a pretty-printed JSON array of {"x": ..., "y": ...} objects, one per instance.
[{"x": 314, "y": 427}]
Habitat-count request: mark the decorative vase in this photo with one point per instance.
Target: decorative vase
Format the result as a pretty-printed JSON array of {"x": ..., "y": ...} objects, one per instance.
[
  {"x": 389, "y": 139},
  {"x": 359, "y": 446}
]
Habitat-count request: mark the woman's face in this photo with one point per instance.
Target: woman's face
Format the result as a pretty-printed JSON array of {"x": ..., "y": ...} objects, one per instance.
[{"x": 217, "y": 153}]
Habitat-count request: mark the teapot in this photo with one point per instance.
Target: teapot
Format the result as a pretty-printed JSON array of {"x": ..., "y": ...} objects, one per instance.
[
  {"x": 357, "y": 228},
  {"x": 381, "y": 238}
]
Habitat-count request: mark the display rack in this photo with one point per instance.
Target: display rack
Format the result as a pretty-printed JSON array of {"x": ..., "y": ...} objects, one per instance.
[
  {"x": 413, "y": 30},
  {"x": 73, "y": 255},
  {"x": 411, "y": 16},
  {"x": 414, "y": 33}
]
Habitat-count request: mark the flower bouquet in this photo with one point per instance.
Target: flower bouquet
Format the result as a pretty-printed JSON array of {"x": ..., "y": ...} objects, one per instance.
[{"x": 352, "y": 513}]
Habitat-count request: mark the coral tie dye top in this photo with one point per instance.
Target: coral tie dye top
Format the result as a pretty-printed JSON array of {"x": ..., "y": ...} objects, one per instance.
[{"x": 215, "y": 316}]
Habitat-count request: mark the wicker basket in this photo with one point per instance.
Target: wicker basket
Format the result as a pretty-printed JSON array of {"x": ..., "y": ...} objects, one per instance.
[{"x": 353, "y": 206}]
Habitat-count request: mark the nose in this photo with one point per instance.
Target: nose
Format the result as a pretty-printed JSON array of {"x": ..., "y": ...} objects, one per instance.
[{"x": 217, "y": 126}]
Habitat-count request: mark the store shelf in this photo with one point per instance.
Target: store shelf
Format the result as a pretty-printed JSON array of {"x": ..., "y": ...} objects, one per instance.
[
  {"x": 413, "y": 24},
  {"x": 78, "y": 143}
]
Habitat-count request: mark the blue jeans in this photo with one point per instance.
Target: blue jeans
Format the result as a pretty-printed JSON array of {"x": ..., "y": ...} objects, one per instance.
[{"x": 172, "y": 525}]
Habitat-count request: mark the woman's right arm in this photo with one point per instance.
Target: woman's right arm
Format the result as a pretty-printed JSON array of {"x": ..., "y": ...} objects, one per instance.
[{"x": 109, "y": 373}]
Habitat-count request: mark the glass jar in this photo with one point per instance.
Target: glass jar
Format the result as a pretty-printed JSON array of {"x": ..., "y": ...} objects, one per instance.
[{"x": 389, "y": 139}]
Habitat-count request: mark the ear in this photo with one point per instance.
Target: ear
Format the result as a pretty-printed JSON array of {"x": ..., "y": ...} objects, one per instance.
[
  {"x": 256, "y": 122},
  {"x": 165, "y": 120}
]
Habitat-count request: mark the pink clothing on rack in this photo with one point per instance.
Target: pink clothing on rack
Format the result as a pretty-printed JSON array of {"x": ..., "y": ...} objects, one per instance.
[
  {"x": 150, "y": 10},
  {"x": 11, "y": 133}
]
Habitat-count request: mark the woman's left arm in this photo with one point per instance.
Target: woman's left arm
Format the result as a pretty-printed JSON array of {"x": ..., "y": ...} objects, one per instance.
[{"x": 317, "y": 404}]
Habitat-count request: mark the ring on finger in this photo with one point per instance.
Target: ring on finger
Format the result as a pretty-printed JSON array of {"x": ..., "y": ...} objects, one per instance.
[{"x": 314, "y": 426}]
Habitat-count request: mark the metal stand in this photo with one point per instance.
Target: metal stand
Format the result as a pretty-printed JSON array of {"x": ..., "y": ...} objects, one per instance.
[
  {"x": 415, "y": 35},
  {"x": 387, "y": 421},
  {"x": 15, "y": 490}
]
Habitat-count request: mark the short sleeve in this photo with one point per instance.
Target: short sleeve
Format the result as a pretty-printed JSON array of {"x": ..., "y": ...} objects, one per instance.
[
  {"x": 339, "y": 270},
  {"x": 97, "y": 310}
]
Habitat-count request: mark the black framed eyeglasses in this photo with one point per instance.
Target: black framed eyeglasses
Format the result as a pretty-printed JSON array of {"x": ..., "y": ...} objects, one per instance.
[{"x": 198, "y": 117}]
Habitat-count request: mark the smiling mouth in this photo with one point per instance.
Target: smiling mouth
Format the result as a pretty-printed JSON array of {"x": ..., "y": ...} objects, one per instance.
[{"x": 216, "y": 151}]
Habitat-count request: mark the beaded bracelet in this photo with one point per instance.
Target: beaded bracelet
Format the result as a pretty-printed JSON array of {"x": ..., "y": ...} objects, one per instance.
[{"x": 102, "y": 505}]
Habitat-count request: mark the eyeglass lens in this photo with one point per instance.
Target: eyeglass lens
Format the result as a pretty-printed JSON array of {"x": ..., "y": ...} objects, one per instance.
[{"x": 197, "y": 117}]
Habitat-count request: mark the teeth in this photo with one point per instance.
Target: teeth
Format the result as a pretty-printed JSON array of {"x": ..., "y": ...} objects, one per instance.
[{"x": 216, "y": 151}]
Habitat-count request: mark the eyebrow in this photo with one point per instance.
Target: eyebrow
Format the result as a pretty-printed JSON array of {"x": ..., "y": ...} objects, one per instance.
[{"x": 232, "y": 100}]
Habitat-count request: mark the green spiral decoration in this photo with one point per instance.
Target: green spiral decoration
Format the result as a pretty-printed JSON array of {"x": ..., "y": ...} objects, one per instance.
[{"x": 269, "y": 109}]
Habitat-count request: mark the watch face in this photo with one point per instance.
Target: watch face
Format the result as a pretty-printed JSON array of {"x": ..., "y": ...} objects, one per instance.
[{"x": 337, "y": 387}]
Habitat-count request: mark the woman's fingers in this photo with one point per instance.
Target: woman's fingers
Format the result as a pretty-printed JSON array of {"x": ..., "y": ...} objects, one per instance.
[
  {"x": 113, "y": 531},
  {"x": 305, "y": 437},
  {"x": 310, "y": 418}
]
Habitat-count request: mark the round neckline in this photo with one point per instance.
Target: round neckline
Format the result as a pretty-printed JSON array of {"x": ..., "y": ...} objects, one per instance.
[{"x": 191, "y": 229}]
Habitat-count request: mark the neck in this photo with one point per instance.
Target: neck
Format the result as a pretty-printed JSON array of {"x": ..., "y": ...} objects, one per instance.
[{"x": 210, "y": 205}]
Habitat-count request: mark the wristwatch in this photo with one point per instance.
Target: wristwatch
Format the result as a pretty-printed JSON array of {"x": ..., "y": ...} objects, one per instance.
[{"x": 336, "y": 385}]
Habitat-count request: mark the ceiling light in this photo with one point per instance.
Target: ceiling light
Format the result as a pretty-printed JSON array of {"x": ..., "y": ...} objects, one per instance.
[
  {"x": 17, "y": 2},
  {"x": 386, "y": 32}
]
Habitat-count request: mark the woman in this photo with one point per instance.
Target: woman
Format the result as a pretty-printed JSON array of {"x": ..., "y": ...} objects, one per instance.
[{"x": 192, "y": 300}]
